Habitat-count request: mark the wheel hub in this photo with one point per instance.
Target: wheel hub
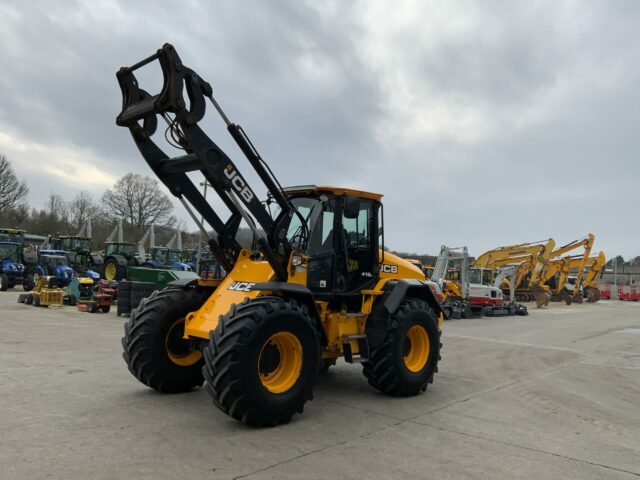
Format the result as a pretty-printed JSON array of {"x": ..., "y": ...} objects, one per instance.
[
  {"x": 416, "y": 348},
  {"x": 280, "y": 362},
  {"x": 180, "y": 351}
]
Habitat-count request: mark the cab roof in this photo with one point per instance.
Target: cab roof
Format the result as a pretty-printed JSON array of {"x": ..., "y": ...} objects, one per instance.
[{"x": 335, "y": 190}]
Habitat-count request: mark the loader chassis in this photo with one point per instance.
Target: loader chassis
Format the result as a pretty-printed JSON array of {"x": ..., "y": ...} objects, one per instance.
[{"x": 317, "y": 286}]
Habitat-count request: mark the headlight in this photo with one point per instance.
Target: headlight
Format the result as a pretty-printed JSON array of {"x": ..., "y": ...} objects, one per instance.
[{"x": 296, "y": 260}]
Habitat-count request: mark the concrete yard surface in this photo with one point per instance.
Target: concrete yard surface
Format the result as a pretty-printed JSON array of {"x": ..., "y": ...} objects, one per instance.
[{"x": 554, "y": 395}]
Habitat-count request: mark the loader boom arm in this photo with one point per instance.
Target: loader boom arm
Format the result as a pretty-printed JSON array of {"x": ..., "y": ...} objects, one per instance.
[{"x": 140, "y": 112}]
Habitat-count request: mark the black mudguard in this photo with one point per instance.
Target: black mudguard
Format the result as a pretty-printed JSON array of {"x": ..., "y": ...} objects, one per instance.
[
  {"x": 385, "y": 306},
  {"x": 122, "y": 261},
  {"x": 396, "y": 292},
  {"x": 299, "y": 293}
]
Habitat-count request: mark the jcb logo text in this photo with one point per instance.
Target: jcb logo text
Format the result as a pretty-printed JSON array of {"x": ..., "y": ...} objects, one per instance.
[
  {"x": 388, "y": 268},
  {"x": 238, "y": 183},
  {"x": 241, "y": 286}
]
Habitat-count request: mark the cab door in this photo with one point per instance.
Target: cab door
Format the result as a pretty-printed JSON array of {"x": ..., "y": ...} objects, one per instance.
[{"x": 357, "y": 245}]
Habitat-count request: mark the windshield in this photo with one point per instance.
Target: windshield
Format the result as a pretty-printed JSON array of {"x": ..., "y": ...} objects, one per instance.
[
  {"x": 480, "y": 276},
  {"x": 78, "y": 244},
  {"x": 127, "y": 249},
  {"x": 16, "y": 236},
  {"x": 175, "y": 256},
  {"x": 159, "y": 254},
  {"x": 309, "y": 208},
  {"x": 9, "y": 252},
  {"x": 56, "y": 261}
]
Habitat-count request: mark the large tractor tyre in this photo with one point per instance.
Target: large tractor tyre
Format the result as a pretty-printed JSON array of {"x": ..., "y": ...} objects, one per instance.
[
  {"x": 139, "y": 291},
  {"x": 4, "y": 282},
  {"x": 406, "y": 361},
  {"x": 124, "y": 298},
  {"x": 262, "y": 361},
  {"x": 154, "y": 349},
  {"x": 113, "y": 270}
]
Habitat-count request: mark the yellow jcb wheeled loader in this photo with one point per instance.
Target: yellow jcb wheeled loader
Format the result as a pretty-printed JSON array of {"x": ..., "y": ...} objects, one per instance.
[{"x": 318, "y": 285}]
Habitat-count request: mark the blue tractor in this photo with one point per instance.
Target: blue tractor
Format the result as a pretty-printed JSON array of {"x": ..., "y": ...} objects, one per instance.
[
  {"x": 56, "y": 264},
  {"x": 11, "y": 268},
  {"x": 166, "y": 258},
  {"x": 83, "y": 261},
  {"x": 206, "y": 266}
]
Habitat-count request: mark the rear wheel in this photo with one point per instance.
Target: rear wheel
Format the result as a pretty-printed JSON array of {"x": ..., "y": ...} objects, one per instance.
[
  {"x": 113, "y": 270},
  {"x": 4, "y": 282},
  {"x": 406, "y": 361},
  {"x": 262, "y": 361},
  {"x": 154, "y": 349},
  {"x": 105, "y": 308}
]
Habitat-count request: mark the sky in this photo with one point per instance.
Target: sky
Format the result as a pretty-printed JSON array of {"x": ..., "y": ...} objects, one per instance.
[{"x": 483, "y": 123}]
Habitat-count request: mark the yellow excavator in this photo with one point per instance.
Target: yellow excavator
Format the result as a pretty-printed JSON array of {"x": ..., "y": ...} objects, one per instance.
[
  {"x": 558, "y": 279},
  {"x": 532, "y": 258},
  {"x": 596, "y": 266},
  {"x": 317, "y": 286},
  {"x": 580, "y": 261}
]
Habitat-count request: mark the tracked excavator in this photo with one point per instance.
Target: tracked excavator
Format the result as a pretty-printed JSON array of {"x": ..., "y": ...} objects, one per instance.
[
  {"x": 557, "y": 277},
  {"x": 532, "y": 257},
  {"x": 318, "y": 285},
  {"x": 472, "y": 294},
  {"x": 580, "y": 261},
  {"x": 455, "y": 295},
  {"x": 596, "y": 266}
]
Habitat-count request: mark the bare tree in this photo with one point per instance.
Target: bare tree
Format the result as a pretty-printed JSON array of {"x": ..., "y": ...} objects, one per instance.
[
  {"x": 137, "y": 200},
  {"x": 12, "y": 191},
  {"x": 82, "y": 207}
]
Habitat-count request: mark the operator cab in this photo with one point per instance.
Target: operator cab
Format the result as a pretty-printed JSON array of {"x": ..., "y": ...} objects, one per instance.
[{"x": 342, "y": 244}]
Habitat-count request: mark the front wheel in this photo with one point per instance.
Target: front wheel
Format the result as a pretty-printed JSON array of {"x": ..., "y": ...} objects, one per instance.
[
  {"x": 4, "y": 282},
  {"x": 406, "y": 361},
  {"x": 154, "y": 349},
  {"x": 262, "y": 361}
]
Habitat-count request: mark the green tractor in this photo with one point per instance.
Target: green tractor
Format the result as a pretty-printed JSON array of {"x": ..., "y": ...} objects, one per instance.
[
  {"x": 81, "y": 258},
  {"x": 118, "y": 257}
]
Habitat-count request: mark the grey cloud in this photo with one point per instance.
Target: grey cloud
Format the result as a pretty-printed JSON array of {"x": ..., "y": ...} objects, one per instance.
[{"x": 572, "y": 66}]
